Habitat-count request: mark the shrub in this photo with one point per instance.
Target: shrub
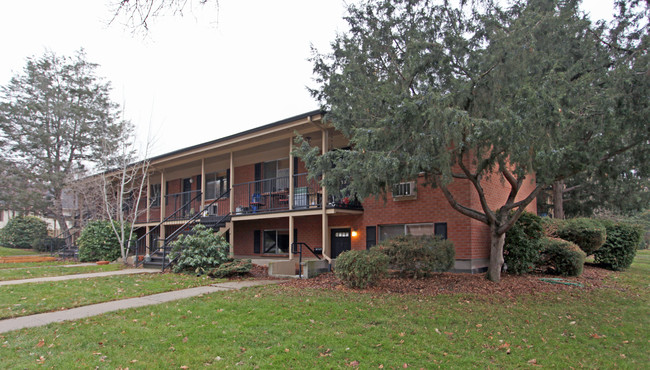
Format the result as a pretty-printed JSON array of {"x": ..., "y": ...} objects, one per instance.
[
  {"x": 551, "y": 225},
  {"x": 418, "y": 256},
  {"x": 24, "y": 232},
  {"x": 200, "y": 251},
  {"x": 232, "y": 268},
  {"x": 588, "y": 234},
  {"x": 620, "y": 247},
  {"x": 360, "y": 269},
  {"x": 98, "y": 242},
  {"x": 521, "y": 248},
  {"x": 562, "y": 257}
]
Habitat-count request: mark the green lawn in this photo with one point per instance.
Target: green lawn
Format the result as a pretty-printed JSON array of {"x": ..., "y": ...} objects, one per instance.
[
  {"x": 5, "y": 252},
  {"x": 281, "y": 327},
  {"x": 46, "y": 271},
  {"x": 27, "y": 299}
]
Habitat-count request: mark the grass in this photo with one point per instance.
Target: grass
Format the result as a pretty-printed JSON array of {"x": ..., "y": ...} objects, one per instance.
[
  {"x": 6, "y": 252},
  {"x": 286, "y": 328},
  {"x": 47, "y": 271},
  {"x": 27, "y": 299}
]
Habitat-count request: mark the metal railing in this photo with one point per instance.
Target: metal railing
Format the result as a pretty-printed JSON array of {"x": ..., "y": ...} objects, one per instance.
[
  {"x": 182, "y": 205},
  {"x": 298, "y": 251},
  {"x": 140, "y": 243},
  {"x": 262, "y": 196},
  {"x": 187, "y": 226}
]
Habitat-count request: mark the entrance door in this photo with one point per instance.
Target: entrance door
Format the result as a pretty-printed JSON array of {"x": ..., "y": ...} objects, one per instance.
[
  {"x": 186, "y": 196},
  {"x": 340, "y": 241}
]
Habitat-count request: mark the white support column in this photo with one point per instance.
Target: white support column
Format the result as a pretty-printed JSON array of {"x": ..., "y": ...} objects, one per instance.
[
  {"x": 324, "y": 221},
  {"x": 291, "y": 241}
]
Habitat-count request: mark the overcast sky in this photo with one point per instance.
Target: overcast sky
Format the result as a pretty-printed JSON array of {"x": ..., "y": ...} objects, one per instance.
[{"x": 211, "y": 73}]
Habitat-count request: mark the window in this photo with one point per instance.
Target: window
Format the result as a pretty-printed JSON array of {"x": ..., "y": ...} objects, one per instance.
[
  {"x": 405, "y": 191},
  {"x": 216, "y": 183},
  {"x": 371, "y": 236},
  {"x": 389, "y": 231},
  {"x": 276, "y": 174},
  {"x": 154, "y": 196},
  {"x": 276, "y": 241}
]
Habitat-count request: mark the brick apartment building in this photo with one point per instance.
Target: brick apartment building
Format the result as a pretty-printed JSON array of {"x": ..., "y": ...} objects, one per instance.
[{"x": 252, "y": 182}]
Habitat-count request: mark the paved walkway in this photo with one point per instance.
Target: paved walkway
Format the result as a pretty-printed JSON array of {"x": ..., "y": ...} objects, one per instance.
[
  {"x": 100, "y": 308},
  {"x": 80, "y": 276}
]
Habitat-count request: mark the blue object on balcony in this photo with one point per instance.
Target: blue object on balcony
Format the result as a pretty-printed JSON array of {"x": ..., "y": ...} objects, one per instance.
[{"x": 256, "y": 202}]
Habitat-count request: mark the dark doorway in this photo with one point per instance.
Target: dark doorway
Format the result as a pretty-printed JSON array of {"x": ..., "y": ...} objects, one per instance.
[
  {"x": 186, "y": 196},
  {"x": 341, "y": 241}
]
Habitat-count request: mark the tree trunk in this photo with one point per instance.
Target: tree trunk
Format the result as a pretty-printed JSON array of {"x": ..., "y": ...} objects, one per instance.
[
  {"x": 496, "y": 255},
  {"x": 558, "y": 200},
  {"x": 60, "y": 218}
]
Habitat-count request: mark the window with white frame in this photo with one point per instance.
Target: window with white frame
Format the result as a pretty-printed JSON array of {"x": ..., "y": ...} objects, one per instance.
[{"x": 389, "y": 231}]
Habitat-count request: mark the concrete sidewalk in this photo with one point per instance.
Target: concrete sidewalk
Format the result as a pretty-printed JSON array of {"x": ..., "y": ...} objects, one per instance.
[
  {"x": 100, "y": 308},
  {"x": 80, "y": 276}
]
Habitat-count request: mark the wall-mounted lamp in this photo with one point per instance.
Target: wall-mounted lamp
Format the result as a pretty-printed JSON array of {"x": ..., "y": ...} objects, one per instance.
[
  {"x": 354, "y": 233},
  {"x": 191, "y": 180}
]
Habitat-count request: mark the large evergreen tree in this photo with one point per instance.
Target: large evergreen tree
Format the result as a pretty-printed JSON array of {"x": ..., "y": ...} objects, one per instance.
[
  {"x": 465, "y": 93},
  {"x": 56, "y": 117}
]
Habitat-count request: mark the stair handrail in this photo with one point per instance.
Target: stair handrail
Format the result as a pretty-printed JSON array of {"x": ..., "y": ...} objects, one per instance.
[
  {"x": 139, "y": 240},
  {"x": 299, "y": 251},
  {"x": 176, "y": 232},
  {"x": 68, "y": 235}
]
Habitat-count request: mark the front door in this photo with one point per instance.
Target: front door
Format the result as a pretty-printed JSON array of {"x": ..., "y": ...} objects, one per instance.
[
  {"x": 186, "y": 196},
  {"x": 341, "y": 241}
]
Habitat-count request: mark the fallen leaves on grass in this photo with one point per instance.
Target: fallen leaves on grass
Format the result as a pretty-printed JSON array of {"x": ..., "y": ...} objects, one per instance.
[{"x": 451, "y": 283}]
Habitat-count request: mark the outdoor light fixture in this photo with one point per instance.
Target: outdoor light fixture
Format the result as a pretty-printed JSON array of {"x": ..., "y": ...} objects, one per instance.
[{"x": 354, "y": 233}]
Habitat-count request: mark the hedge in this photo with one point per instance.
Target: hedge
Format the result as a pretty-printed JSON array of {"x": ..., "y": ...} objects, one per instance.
[
  {"x": 418, "y": 256},
  {"x": 98, "y": 242},
  {"x": 562, "y": 257},
  {"x": 587, "y": 233},
  {"x": 620, "y": 247},
  {"x": 522, "y": 244},
  {"x": 24, "y": 232},
  {"x": 360, "y": 269}
]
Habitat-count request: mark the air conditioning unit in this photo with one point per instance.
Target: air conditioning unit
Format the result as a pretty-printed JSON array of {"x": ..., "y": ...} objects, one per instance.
[{"x": 405, "y": 191}]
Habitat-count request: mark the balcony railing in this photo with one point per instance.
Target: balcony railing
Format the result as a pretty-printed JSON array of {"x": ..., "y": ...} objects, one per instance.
[
  {"x": 267, "y": 195},
  {"x": 188, "y": 202}
]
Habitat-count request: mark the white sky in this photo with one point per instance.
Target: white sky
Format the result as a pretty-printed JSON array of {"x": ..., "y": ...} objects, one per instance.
[{"x": 197, "y": 78}]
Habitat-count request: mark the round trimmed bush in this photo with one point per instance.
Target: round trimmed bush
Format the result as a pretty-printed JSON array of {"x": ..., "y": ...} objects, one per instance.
[
  {"x": 98, "y": 242},
  {"x": 620, "y": 247},
  {"x": 200, "y": 251},
  {"x": 418, "y": 256},
  {"x": 24, "y": 232},
  {"x": 521, "y": 248},
  {"x": 562, "y": 257},
  {"x": 588, "y": 234},
  {"x": 360, "y": 269}
]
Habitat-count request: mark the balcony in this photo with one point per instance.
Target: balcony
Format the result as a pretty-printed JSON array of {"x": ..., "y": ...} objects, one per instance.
[
  {"x": 272, "y": 195},
  {"x": 254, "y": 197}
]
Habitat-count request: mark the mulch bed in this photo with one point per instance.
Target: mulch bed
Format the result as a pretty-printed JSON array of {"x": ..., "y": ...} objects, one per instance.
[
  {"x": 454, "y": 283},
  {"x": 23, "y": 259}
]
